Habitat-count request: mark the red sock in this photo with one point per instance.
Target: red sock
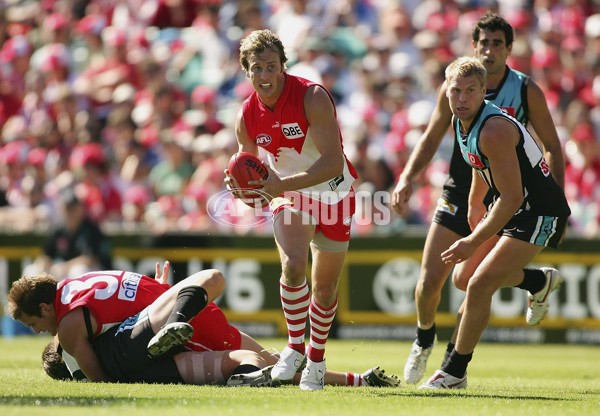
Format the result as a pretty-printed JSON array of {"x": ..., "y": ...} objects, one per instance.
[
  {"x": 354, "y": 380},
  {"x": 320, "y": 323},
  {"x": 295, "y": 302}
]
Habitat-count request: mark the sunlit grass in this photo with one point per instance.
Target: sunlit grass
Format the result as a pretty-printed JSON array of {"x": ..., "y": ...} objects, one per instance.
[{"x": 504, "y": 379}]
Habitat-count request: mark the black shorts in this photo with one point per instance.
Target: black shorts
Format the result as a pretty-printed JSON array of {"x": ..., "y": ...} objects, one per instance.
[
  {"x": 541, "y": 230},
  {"x": 453, "y": 217},
  {"x": 122, "y": 353}
]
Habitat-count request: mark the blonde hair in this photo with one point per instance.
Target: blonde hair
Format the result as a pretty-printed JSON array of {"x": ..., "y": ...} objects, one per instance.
[
  {"x": 466, "y": 66},
  {"x": 259, "y": 41}
]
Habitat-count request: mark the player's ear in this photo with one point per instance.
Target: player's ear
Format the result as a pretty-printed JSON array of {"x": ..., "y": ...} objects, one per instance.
[{"x": 45, "y": 308}]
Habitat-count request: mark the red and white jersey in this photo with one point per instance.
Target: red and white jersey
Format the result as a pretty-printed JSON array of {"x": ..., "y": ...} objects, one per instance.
[
  {"x": 111, "y": 296},
  {"x": 286, "y": 136}
]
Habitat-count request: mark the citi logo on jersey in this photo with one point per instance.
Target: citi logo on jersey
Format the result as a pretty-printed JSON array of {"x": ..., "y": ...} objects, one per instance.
[
  {"x": 263, "y": 139},
  {"x": 292, "y": 131},
  {"x": 475, "y": 161},
  {"x": 129, "y": 286}
]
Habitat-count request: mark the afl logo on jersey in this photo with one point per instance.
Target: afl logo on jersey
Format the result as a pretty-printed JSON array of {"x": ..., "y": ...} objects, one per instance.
[
  {"x": 292, "y": 131},
  {"x": 263, "y": 139}
]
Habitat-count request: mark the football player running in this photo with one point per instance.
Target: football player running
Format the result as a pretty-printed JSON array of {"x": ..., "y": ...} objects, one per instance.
[
  {"x": 310, "y": 185},
  {"x": 520, "y": 96}
]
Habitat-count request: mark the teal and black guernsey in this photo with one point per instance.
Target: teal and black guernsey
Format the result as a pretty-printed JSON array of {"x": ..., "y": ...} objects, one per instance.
[
  {"x": 511, "y": 96},
  {"x": 542, "y": 195}
]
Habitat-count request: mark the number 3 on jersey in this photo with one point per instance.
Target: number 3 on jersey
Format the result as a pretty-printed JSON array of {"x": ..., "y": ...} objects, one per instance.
[{"x": 104, "y": 286}]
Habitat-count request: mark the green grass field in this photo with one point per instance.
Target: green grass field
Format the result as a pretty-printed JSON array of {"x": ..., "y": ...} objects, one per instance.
[{"x": 504, "y": 379}]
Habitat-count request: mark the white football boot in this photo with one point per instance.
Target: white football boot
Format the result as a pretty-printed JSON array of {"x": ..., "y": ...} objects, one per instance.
[
  {"x": 416, "y": 364},
  {"x": 443, "y": 380},
  {"x": 313, "y": 376},
  {"x": 290, "y": 361},
  {"x": 539, "y": 302}
]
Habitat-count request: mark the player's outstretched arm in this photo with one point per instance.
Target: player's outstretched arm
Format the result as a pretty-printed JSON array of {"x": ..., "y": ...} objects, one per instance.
[{"x": 424, "y": 151}]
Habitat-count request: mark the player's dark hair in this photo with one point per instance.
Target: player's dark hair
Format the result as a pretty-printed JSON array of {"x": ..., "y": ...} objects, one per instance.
[
  {"x": 258, "y": 42},
  {"x": 493, "y": 22},
  {"x": 53, "y": 363}
]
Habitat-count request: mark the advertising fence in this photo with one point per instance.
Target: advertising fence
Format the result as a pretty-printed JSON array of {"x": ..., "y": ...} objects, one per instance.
[{"x": 376, "y": 297}]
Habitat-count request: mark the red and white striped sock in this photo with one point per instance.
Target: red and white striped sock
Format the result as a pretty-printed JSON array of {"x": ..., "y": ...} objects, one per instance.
[
  {"x": 354, "y": 380},
  {"x": 320, "y": 323},
  {"x": 295, "y": 302}
]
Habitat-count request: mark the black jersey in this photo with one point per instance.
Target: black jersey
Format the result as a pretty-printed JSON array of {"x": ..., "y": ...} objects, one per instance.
[
  {"x": 510, "y": 96},
  {"x": 542, "y": 194}
]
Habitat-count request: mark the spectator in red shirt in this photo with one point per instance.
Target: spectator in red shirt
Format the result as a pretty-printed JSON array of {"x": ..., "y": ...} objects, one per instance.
[
  {"x": 15, "y": 56},
  {"x": 174, "y": 13},
  {"x": 98, "y": 82},
  {"x": 95, "y": 187}
]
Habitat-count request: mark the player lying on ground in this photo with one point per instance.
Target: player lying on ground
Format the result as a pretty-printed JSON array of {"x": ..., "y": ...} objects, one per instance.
[
  {"x": 212, "y": 332},
  {"x": 79, "y": 310}
]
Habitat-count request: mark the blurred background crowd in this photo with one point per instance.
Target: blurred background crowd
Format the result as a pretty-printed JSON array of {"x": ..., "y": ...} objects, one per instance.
[{"x": 129, "y": 104}]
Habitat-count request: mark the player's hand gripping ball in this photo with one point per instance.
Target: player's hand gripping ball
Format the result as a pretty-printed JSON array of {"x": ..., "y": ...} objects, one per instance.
[{"x": 243, "y": 168}]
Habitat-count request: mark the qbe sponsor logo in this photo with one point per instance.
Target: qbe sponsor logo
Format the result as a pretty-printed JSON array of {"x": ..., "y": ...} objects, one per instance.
[{"x": 292, "y": 131}]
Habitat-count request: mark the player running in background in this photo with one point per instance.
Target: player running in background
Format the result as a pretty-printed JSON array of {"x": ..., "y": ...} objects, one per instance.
[
  {"x": 99, "y": 302},
  {"x": 529, "y": 210},
  {"x": 519, "y": 96},
  {"x": 294, "y": 121}
]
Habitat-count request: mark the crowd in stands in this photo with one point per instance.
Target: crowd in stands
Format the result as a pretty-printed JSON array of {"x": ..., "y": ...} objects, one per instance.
[{"x": 131, "y": 103}]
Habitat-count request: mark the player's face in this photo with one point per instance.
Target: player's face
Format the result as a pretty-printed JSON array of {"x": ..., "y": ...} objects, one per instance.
[
  {"x": 465, "y": 95},
  {"x": 44, "y": 323},
  {"x": 492, "y": 51},
  {"x": 266, "y": 74}
]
